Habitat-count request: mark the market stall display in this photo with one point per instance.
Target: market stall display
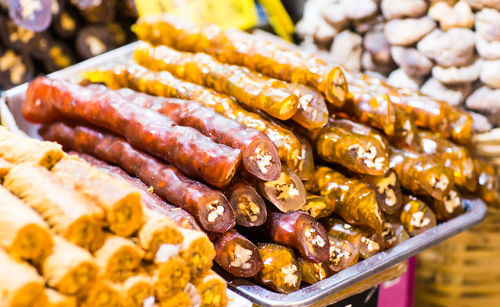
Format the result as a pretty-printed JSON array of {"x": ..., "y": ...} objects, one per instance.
[{"x": 315, "y": 197}]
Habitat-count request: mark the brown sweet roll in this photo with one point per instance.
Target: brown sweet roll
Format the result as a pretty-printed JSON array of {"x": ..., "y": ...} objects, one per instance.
[
  {"x": 240, "y": 48},
  {"x": 236, "y": 254},
  {"x": 15, "y": 36},
  {"x": 97, "y": 11},
  {"x": 137, "y": 290},
  {"x": 416, "y": 216},
  {"x": 118, "y": 258},
  {"x": 164, "y": 84},
  {"x": 198, "y": 252},
  {"x": 57, "y": 299},
  {"x": 488, "y": 183},
  {"x": 312, "y": 112},
  {"x": 69, "y": 269},
  {"x": 287, "y": 193},
  {"x": 260, "y": 156},
  {"x": 102, "y": 293},
  {"x": 170, "y": 277},
  {"x": 152, "y": 201},
  {"x": 352, "y": 199},
  {"x": 298, "y": 230},
  {"x": 421, "y": 174},
  {"x": 195, "y": 155},
  {"x": 209, "y": 206},
  {"x": 367, "y": 241},
  {"x": 250, "y": 88},
  {"x": 249, "y": 207},
  {"x": 343, "y": 254},
  {"x": 23, "y": 233},
  {"x": 280, "y": 271},
  {"x": 159, "y": 233},
  {"x": 387, "y": 190},
  {"x": 18, "y": 149},
  {"x": 213, "y": 290},
  {"x": 4, "y": 168},
  {"x": 66, "y": 24},
  {"x": 70, "y": 214},
  {"x": 20, "y": 283},
  {"x": 318, "y": 206},
  {"x": 313, "y": 272},
  {"x": 359, "y": 153},
  {"x": 451, "y": 155},
  {"x": 120, "y": 201}
]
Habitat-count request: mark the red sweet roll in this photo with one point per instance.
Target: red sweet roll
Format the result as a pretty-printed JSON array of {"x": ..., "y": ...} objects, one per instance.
[
  {"x": 209, "y": 206},
  {"x": 301, "y": 231},
  {"x": 193, "y": 153},
  {"x": 260, "y": 156},
  {"x": 249, "y": 207},
  {"x": 236, "y": 254},
  {"x": 180, "y": 216}
]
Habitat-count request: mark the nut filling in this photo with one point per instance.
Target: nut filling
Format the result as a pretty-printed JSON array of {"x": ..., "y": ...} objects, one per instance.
[
  {"x": 241, "y": 257},
  {"x": 440, "y": 183},
  {"x": 386, "y": 187},
  {"x": 263, "y": 159},
  {"x": 336, "y": 254},
  {"x": 248, "y": 208},
  {"x": 313, "y": 237},
  {"x": 452, "y": 201},
  {"x": 289, "y": 274},
  {"x": 418, "y": 220},
  {"x": 215, "y": 211},
  {"x": 283, "y": 189},
  {"x": 369, "y": 157},
  {"x": 372, "y": 245}
]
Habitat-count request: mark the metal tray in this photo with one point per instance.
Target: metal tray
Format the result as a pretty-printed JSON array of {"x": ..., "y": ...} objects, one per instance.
[{"x": 476, "y": 211}]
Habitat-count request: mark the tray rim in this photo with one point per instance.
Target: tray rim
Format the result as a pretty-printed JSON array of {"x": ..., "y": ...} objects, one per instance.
[{"x": 476, "y": 211}]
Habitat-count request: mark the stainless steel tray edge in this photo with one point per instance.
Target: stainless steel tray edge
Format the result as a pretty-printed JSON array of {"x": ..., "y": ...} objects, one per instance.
[{"x": 257, "y": 294}]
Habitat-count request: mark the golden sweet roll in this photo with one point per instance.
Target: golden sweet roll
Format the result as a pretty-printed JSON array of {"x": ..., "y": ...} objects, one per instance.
[
  {"x": 306, "y": 167},
  {"x": 488, "y": 187},
  {"x": 240, "y": 48},
  {"x": 158, "y": 230},
  {"x": 318, "y": 206},
  {"x": 4, "y": 167},
  {"x": 20, "y": 284},
  {"x": 23, "y": 233},
  {"x": 213, "y": 290},
  {"x": 281, "y": 269},
  {"x": 312, "y": 112},
  {"x": 313, "y": 272},
  {"x": 352, "y": 199},
  {"x": 18, "y": 149},
  {"x": 250, "y": 88},
  {"x": 180, "y": 299},
  {"x": 448, "y": 207},
  {"x": 102, "y": 293},
  {"x": 416, "y": 216},
  {"x": 69, "y": 269},
  {"x": 198, "y": 252},
  {"x": 137, "y": 290},
  {"x": 118, "y": 258},
  {"x": 120, "y": 201},
  {"x": 70, "y": 214},
  {"x": 170, "y": 277},
  {"x": 57, "y": 299}
]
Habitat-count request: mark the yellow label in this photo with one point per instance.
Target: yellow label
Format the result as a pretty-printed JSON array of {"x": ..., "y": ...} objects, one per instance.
[
  {"x": 225, "y": 13},
  {"x": 278, "y": 18}
]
